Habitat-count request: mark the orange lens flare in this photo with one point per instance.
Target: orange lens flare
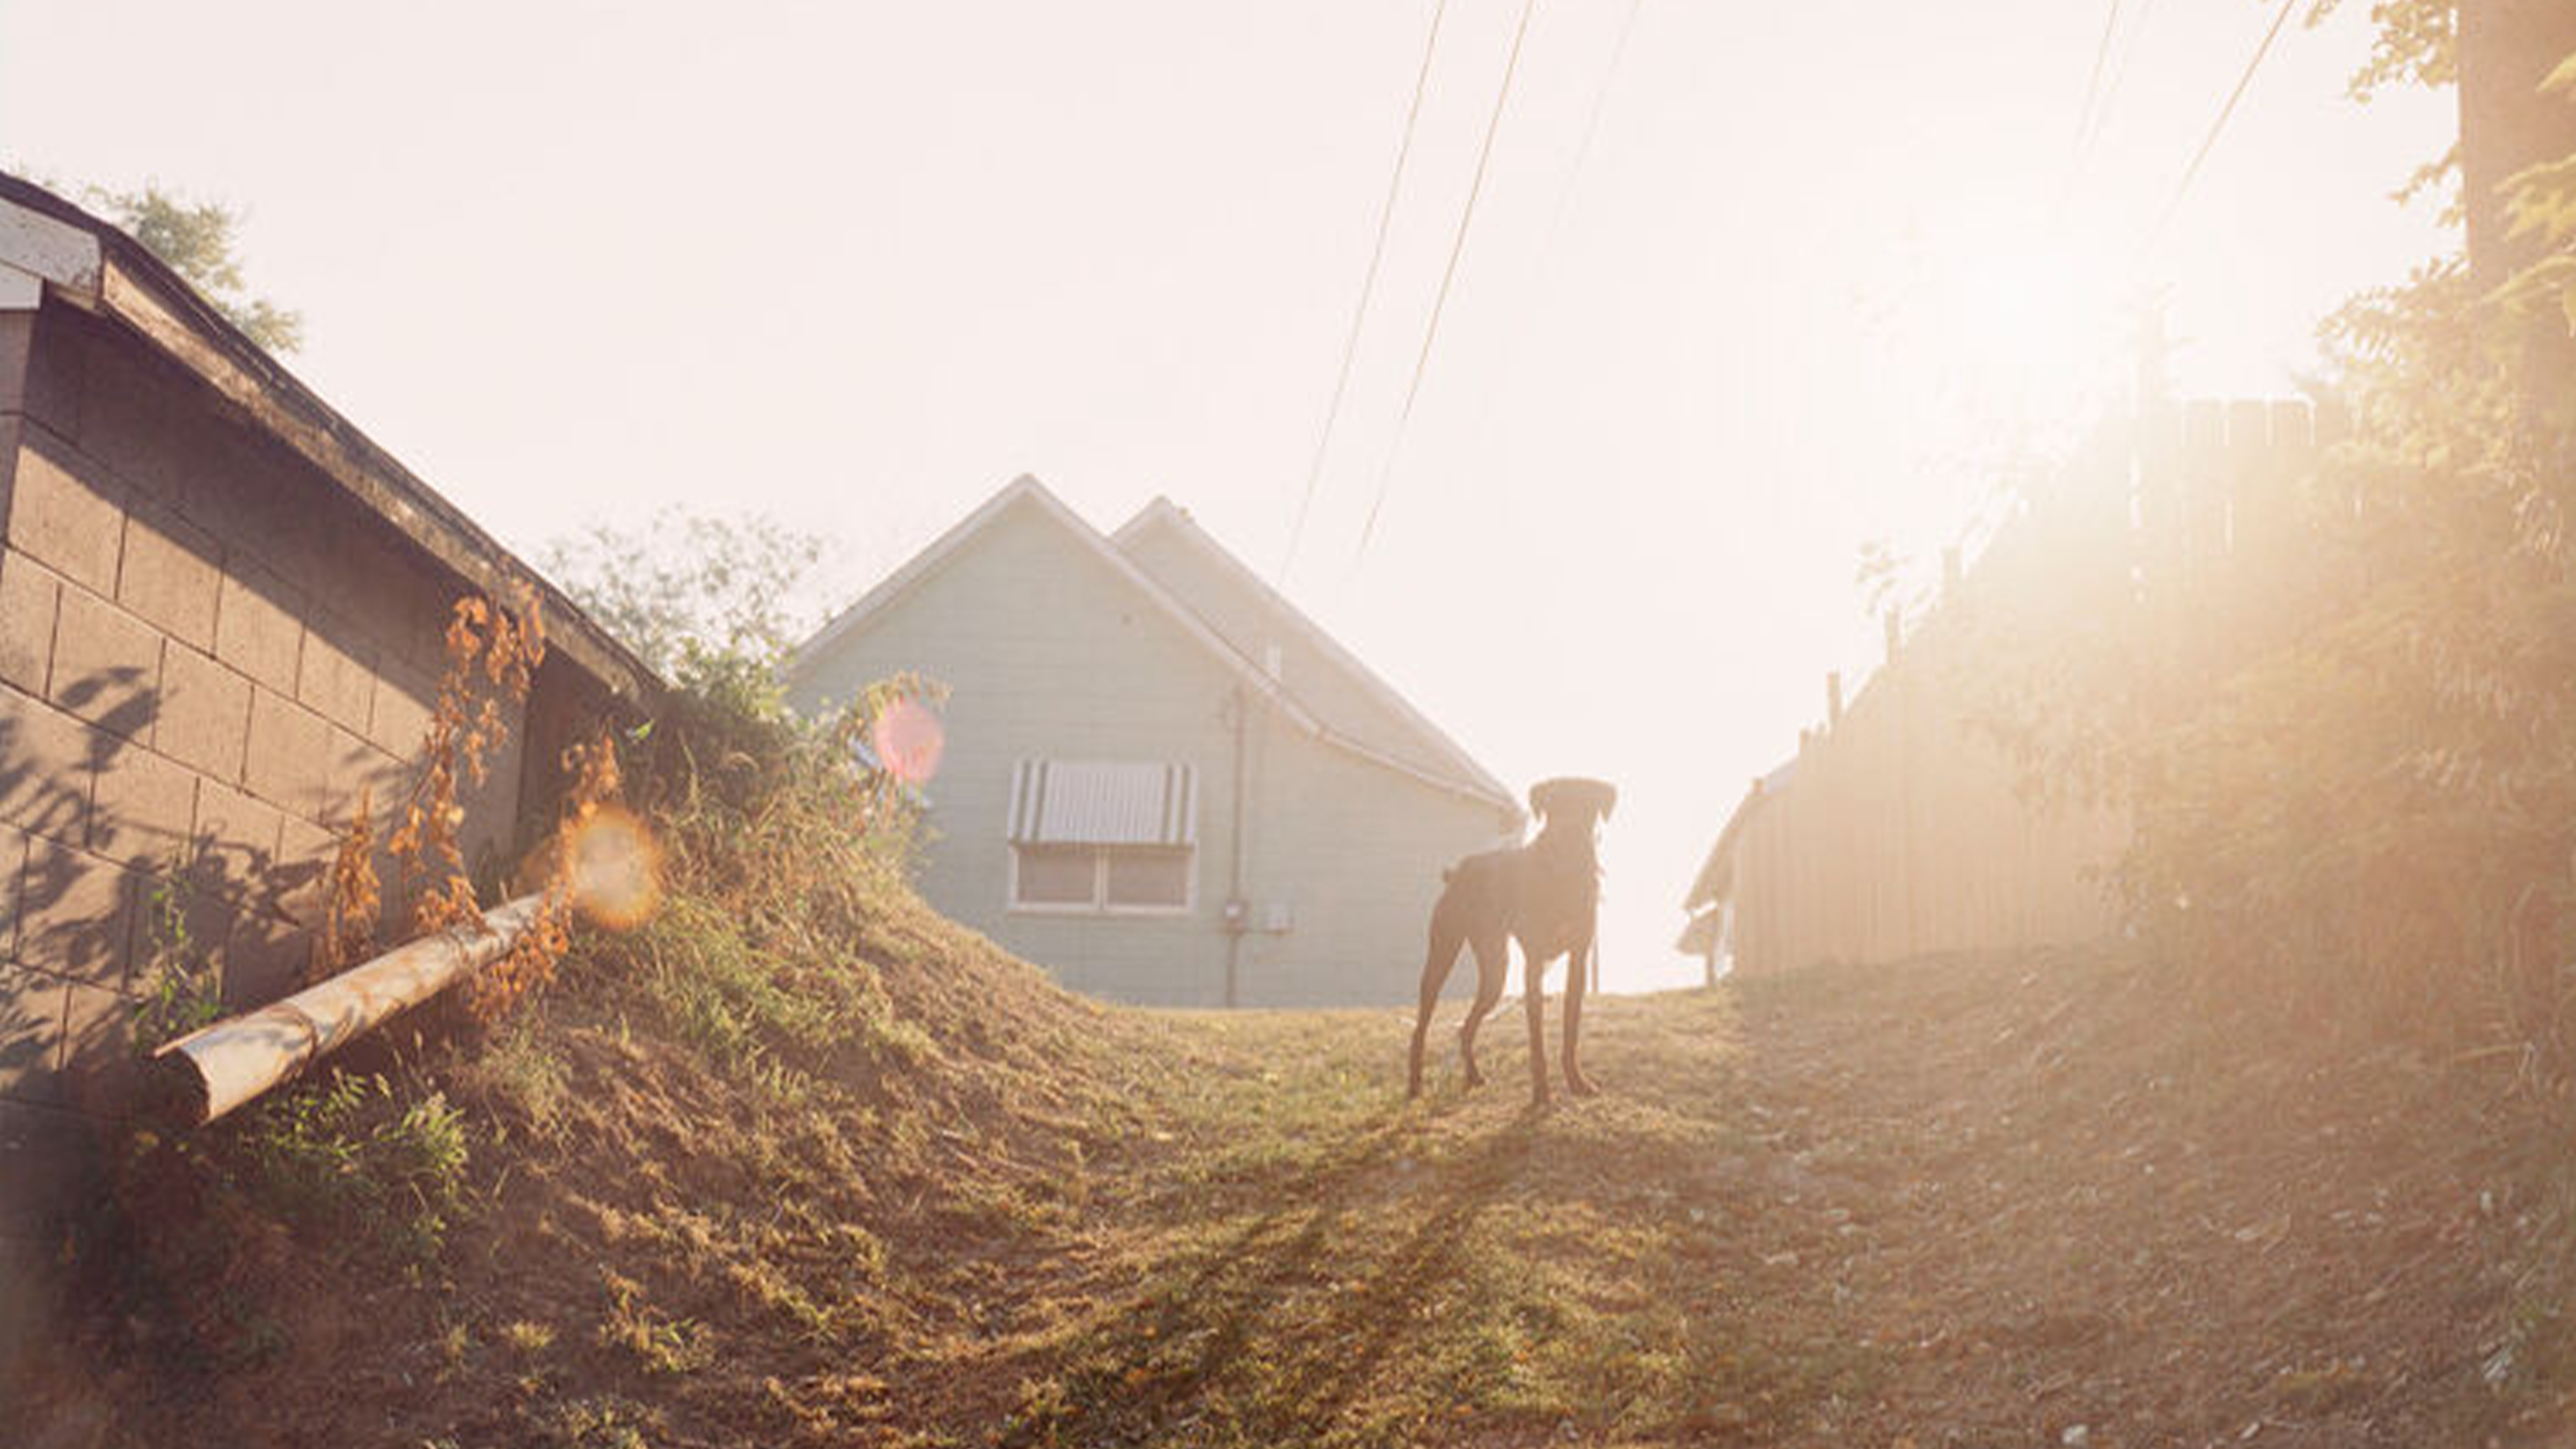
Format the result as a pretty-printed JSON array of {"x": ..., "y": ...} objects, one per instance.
[
  {"x": 616, "y": 869},
  {"x": 909, "y": 741}
]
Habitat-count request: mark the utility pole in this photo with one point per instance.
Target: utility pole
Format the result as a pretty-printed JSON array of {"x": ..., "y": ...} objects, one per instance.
[{"x": 2506, "y": 47}]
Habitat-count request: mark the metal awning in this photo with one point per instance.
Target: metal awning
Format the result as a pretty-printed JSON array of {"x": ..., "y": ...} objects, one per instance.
[{"x": 1104, "y": 802}]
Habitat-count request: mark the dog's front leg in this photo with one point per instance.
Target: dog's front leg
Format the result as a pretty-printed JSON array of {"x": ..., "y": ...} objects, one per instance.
[
  {"x": 1576, "y": 961},
  {"x": 1535, "y": 1003}
]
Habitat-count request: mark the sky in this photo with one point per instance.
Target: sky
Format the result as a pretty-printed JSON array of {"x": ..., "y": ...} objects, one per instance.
[{"x": 1820, "y": 270}]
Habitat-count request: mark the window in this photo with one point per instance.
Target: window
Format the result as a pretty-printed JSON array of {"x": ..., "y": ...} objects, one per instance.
[
  {"x": 1057, "y": 875},
  {"x": 1100, "y": 878},
  {"x": 1146, "y": 878},
  {"x": 1114, "y": 837}
]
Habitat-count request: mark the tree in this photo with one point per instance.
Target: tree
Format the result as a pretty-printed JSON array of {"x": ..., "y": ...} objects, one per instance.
[
  {"x": 196, "y": 241},
  {"x": 692, "y": 595},
  {"x": 2351, "y": 773}
]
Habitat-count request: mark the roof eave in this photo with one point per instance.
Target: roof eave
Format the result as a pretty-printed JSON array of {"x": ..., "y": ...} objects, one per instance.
[
  {"x": 1163, "y": 511},
  {"x": 88, "y": 263}
]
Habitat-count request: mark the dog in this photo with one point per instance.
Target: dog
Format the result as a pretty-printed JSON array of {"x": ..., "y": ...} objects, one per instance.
[{"x": 1547, "y": 896}]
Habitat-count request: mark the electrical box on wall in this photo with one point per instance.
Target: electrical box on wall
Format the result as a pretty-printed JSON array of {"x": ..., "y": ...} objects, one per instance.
[
  {"x": 1277, "y": 917},
  {"x": 1238, "y": 915}
]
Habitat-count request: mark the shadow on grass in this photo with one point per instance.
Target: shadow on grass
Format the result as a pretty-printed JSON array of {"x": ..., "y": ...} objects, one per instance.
[{"x": 1234, "y": 1339}]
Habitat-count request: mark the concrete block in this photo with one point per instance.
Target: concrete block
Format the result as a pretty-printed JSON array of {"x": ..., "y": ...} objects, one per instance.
[
  {"x": 142, "y": 419},
  {"x": 28, "y": 595},
  {"x": 40, "y": 370},
  {"x": 98, "y": 1067},
  {"x": 236, "y": 838},
  {"x": 72, "y": 522},
  {"x": 300, "y": 884},
  {"x": 205, "y": 714},
  {"x": 171, "y": 574},
  {"x": 399, "y": 721},
  {"x": 107, "y": 665},
  {"x": 338, "y": 672},
  {"x": 142, "y": 809},
  {"x": 265, "y": 960},
  {"x": 13, "y": 865},
  {"x": 32, "y": 1007},
  {"x": 76, "y": 915},
  {"x": 258, "y": 625},
  {"x": 358, "y": 767},
  {"x": 48, "y": 762},
  {"x": 289, "y": 762}
]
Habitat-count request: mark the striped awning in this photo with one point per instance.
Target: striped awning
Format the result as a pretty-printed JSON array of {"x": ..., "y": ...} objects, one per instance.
[{"x": 1104, "y": 802}]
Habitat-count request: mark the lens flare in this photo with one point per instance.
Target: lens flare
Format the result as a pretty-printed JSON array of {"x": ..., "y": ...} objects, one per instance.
[
  {"x": 908, "y": 741},
  {"x": 616, "y": 869}
]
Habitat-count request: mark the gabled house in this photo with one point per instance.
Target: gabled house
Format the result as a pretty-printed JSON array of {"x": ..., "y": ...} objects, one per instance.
[{"x": 1160, "y": 780}]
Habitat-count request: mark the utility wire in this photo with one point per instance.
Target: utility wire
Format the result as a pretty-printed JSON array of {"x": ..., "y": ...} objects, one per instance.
[
  {"x": 1368, "y": 287},
  {"x": 2229, "y": 109},
  {"x": 2120, "y": 77},
  {"x": 2092, "y": 92},
  {"x": 1508, "y": 364},
  {"x": 1591, "y": 127},
  {"x": 1448, "y": 274}
]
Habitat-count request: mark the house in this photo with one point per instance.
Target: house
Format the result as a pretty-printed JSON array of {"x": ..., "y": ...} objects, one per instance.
[
  {"x": 1711, "y": 901},
  {"x": 221, "y": 617},
  {"x": 1160, "y": 780}
]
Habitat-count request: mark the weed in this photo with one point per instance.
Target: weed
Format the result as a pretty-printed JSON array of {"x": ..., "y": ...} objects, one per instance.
[
  {"x": 181, "y": 988},
  {"x": 520, "y": 1071},
  {"x": 661, "y": 1344},
  {"x": 603, "y": 1421},
  {"x": 350, "y": 1152}
]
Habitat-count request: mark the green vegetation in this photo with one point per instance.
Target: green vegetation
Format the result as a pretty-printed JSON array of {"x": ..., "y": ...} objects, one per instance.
[{"x": 196, "y": 240}]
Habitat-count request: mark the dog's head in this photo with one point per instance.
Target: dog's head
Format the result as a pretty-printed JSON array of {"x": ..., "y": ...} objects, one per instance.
[{"x": 1572, "y": 799}]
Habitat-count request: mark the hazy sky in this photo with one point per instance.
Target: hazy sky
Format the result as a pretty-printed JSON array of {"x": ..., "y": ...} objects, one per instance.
[{"x": 858, "y": 265}]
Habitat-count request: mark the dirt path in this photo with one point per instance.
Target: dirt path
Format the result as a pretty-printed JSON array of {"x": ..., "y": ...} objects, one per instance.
[{"x": 1961, "y": 1204}]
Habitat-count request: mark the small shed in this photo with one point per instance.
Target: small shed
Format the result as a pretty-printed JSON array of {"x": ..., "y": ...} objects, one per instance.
[{"x": 221, "y": 618}]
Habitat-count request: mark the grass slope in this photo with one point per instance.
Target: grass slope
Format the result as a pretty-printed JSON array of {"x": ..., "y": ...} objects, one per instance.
[{"x": 806, "y": 1164}]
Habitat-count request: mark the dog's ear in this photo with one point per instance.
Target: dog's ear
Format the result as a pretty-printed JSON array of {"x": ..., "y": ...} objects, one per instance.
[{"x": 1544, "y": 798}]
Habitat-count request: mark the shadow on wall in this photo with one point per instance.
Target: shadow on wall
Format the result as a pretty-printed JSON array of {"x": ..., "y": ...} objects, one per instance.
[{"x": 125, "y": 862}]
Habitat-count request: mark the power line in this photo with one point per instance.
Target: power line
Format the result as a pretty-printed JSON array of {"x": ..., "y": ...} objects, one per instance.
[
  {"x": 1507, "y": 358},
  {"x": 1591, "y": 125},
  {"x": 2120, "y": 77},
  {"x": 1368, "y": 287},
  {"x": 1448, "y": 273},
  {"x": 2092, "y": 92},
  {"x": 2280, "y": 19}
]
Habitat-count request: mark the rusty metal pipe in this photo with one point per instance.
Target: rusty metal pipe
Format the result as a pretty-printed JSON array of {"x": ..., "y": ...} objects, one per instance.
[{"x": 209, "y": 1072}]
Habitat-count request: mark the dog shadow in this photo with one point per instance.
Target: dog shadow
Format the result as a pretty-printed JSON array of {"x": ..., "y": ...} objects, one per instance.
[{"x": 1228, "y": 1308}]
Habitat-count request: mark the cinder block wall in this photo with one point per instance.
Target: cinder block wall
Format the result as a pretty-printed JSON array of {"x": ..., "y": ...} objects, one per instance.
[{"x": 207, "y": 650}]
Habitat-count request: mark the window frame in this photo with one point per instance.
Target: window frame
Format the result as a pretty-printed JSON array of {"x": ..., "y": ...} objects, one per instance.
[{"x": 1099, "y": 904}]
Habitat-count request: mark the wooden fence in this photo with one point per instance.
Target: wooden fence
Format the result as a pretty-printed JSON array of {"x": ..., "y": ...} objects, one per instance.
[{"x": 1905, "y": 826}]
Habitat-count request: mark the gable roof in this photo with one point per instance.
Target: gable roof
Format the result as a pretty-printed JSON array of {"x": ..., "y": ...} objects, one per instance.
[
  {"x": 1449, "y": 770},
  {"x": 1408, "y": 732}
]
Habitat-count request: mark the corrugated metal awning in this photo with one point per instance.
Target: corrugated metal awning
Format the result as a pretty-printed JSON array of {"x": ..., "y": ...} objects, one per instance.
[{"x": 1104, "y": 802}]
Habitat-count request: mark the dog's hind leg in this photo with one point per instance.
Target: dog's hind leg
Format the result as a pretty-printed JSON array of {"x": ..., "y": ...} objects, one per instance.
[
  {"x": 1575, "y": 963},
  {"x": 1445, "y": 940},
  {"x": 1493, "y": 970}
]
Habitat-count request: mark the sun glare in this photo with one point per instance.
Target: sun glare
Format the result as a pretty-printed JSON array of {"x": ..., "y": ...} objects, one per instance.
[
  {"x": 616, "y": 869},
  {"x": 909, "y": 741}
]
